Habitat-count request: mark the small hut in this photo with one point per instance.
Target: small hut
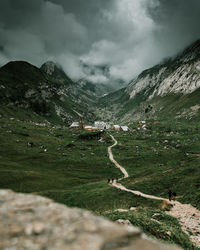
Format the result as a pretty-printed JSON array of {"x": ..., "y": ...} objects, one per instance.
[
  {"x": 124, "y": 128},
  {"x": 75, "y": 125},
  {"x": 116, "y": 127}
]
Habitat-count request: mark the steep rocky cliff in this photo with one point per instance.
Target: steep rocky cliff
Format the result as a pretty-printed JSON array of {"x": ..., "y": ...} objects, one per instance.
[
  {"x": 170, "y": 89},
  {"x": 176, "y": 75},
  {"x": 55, "y": 72}
]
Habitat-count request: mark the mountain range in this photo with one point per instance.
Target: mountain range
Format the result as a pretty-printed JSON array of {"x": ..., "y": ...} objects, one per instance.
[
  {"x": 167, "y": 90},
  {"x": 48, "y": 91}
]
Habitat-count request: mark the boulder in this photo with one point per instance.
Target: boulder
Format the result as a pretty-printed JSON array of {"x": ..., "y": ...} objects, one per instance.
[{"x": 34, "y": 223}]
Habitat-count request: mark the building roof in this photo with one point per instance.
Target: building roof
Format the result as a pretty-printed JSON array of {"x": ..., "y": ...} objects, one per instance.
[
  {"x": 99, "y": 122},
  {"x": 124, "y": 128},
  {"x": 74, "y": 125}
]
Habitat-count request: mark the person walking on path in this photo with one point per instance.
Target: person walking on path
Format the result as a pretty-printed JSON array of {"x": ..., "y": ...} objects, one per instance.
[
  {"x": 170, "y": 195},
  {"x": 108, "y": 180},
  {"x": 174, "y": 196}
]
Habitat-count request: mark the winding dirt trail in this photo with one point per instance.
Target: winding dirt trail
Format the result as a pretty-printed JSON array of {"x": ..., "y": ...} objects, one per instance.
[
  {"x": 187, "y": 215},
  {"x": 123, "y": 170}
]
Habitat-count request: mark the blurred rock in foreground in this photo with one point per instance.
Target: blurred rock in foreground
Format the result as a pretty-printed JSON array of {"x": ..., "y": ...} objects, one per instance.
[{"x": 33, "y": 222}]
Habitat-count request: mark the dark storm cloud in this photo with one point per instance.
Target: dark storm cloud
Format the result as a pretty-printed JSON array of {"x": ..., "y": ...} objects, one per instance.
[
  {"x": 125, "y": 36},
  {"x": 179, "y": 24}
]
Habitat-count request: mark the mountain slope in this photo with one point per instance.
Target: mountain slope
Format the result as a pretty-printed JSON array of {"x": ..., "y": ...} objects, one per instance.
[
  {"x": 176, "y": 75},
  {"x": 55, "y": 73},
  {"x": 84, "y": 92},
  {"x": 26, "y": 86},
  {"x": 167, "y": 89},
  {"x": 22, "y": 84}
]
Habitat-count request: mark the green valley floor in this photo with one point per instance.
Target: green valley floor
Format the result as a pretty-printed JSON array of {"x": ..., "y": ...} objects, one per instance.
[{"x": 40, "y": 158}]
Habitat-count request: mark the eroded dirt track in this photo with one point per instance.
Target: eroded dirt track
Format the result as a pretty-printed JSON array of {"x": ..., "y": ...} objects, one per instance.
[{"x": 187, "y": 215}]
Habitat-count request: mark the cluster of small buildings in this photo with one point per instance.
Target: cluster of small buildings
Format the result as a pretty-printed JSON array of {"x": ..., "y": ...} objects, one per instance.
[
  {"x": 142, "y": 125},
  {"x": 98, "y": 125}
]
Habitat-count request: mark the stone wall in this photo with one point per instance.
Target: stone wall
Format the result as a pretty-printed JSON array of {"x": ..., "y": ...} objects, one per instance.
[{"x": 33, "y": 222}]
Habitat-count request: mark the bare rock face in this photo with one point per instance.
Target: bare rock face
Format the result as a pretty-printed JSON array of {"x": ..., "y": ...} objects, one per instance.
[
  {"x": 48, "y": 67},
  {"x": 176, "y": 75},
  {"x": 35, "y": 223}
]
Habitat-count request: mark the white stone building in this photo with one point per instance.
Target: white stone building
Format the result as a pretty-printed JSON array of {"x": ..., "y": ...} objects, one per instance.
[
  {"x": 124, "y": 128},
  {"x": 75, "y": 125},
  {"x": 100, "y": 125}
]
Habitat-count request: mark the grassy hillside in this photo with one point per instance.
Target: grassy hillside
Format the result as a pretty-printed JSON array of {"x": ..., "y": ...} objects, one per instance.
[
  {"x": 164, "y": 157},
  {"x": 41, "y": 158},
  {"x": 56, "y": 97},
  {"x": 171, "y": 88},
  {"x": 178, "y": 106},
  {"x": 173, "y": 106},
  {"x": 155, "y": 223},
  {"x": 51, "y": 160}
]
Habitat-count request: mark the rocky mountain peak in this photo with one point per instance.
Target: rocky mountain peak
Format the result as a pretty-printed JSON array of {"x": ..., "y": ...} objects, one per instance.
[
  {"x": 18, "y": 66},
  {"x": 55, "y": 71},
  {"x": 49, "y": 67},
  {"x": 21, "y": 71}
]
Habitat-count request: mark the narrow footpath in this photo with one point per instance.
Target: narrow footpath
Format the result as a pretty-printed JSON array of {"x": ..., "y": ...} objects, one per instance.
[
  {"x": 123, "y": 170},
  {"x": 187, "y": 215}
]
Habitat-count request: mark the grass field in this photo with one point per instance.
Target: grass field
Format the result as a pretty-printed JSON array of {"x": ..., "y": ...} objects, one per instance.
[
  {"x": 156, "y": 223},
  {"x": 164, "y": 157},
  {"x": 58, "y": 164},
  {"x": 40, "y": 158}
]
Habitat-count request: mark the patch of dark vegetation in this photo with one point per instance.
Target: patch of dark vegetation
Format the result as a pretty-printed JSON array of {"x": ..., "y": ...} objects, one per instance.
[
  {"x": 91, "y": 135},
  {"x": 148, "y": 109},
  {"x": 70, "y": 145},
  {"x": 59, "y": 135},
  {"x": 155, "y": 223},
  {"x": 23, "y": 134}
]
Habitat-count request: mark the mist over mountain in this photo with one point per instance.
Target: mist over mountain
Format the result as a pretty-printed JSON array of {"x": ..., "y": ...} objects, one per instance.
[
  {"x": 169, "y": 89},
  {"x": 47, "y": 91},
  {"x": 171, "y": 85},
  {"x": 114, "y": 39}
]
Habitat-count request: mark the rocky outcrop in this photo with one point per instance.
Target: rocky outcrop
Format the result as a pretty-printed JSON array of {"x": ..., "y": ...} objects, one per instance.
[
  {"x": 55, "y": 72},
  {"x": 48, "y": 67},
  {"x": 176, "y": 75},
  {"x": 33, "y": 222},
  {"x": 169, "y": 88},
  {"x": 47, "y": 91}
]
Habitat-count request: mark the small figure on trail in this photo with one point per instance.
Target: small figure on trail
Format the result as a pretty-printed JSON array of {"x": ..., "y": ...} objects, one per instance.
[
  {"x": 174, "y": 196},
  {"x": 170, "y": 195},
  {"x": 117, "y": 179},
  {"x": 108, "y": 180},
  {"x": 112, "y": 180}
]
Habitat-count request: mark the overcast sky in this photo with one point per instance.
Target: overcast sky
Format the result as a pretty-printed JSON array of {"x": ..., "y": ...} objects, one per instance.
[{"x": 103, "y": 40}]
